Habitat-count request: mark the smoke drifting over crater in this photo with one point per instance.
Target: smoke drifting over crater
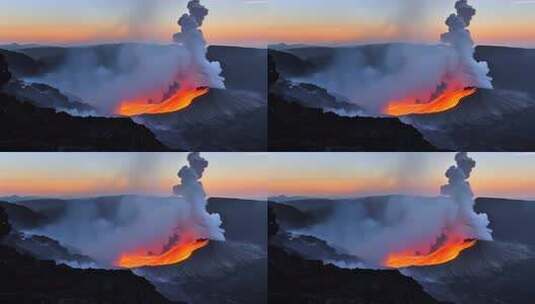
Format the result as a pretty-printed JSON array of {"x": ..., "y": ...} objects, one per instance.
[
  {"x": 105, "y": 76},
  {"x": 424, "y": 231},
  {"x": 407, "y": 74},
  {"x": 140, "y": 226}
]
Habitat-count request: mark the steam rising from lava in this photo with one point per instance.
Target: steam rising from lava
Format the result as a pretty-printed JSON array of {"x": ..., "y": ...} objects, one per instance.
[
  {"x": 142, "y": 231},
  {"x": 471, "y": 72},
  {"x": 468, "y": 223},
  {"x": 191, "y": 233},
  {"x": 202, "y": 73},
  {"x": 409, "y": 231},
  {"x": 411, "y": 79},
  {"x": 132, "y": 79}
]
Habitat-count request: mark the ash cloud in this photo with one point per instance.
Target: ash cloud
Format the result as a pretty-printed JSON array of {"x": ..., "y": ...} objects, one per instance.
[
  {"x": 402, "y": 222},
  {"x": 104, "y": 76},
  {"x": 203, "y": 224},
  {"x": 468, "y": 222},
  {"x": 103, "y": 232},
  {"x": 372, "y": 78}
]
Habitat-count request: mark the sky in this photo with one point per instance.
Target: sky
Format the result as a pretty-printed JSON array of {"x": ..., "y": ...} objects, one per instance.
[
  {"x": 258, "y": 175},
  {"x": 261, "y": 22},
  {"x": 237, "y": 175}
]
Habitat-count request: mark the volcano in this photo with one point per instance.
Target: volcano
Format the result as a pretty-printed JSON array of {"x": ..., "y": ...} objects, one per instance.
[
  {"x": 482, "y": 272},
  {"x": 233, "y": 271}
]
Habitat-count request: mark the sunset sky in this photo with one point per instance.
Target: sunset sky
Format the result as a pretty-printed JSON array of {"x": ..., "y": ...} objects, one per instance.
[
  {"x": 240, "y": 175},
  {"x": 257, "y": 175},
  {"x": 260, "y": 22}
]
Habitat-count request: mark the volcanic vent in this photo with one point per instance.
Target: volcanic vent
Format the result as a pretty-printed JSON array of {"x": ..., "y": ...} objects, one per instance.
[
  {"x": 193, "y": 81},
  {"x": 398, "y": 231},
  {"x": 190, "y": 234},
  {"x": 459, "y": 76},
  {"x": 459, "y": 230}
]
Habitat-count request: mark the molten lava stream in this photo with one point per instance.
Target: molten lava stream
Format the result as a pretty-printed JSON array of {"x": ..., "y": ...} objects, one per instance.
[
  {"x": 179, "y": 101},
  {"x": 444, "y": 254},
  {"x": 177, "y": 254},
  {"x": 446, "y": 101}
]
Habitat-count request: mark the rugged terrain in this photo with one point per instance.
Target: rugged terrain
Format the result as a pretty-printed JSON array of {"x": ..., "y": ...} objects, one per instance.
[
  {"x": 295, "y": 124},
  {"x": 491, "y": 120}
]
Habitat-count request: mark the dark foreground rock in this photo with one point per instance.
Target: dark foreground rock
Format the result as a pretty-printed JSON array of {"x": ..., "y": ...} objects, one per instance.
[
  {"x": 292, "y": 279},
  {"x": 293, "y": 127},
  {"x": 27, "y": 280},
  {"x": 28, "y": 128}
]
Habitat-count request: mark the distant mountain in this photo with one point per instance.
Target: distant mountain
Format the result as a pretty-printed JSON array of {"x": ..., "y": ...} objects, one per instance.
[
  {"x": 17, "y": 46},
  {"x": 21, "y": 65}
]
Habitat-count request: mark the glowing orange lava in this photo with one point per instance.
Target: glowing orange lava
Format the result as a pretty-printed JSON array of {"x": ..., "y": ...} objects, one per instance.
[
  {"x": 449, "y": 251},
  {"x": 446, "y": 101},
  {"x": 179, "y": 101},
  {"x": 176, "y": 254}
]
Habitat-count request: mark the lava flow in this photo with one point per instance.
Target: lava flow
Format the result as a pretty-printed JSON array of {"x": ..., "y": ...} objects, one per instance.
[
  {"x": 178, "y": 253},
  {"x": 447, "y": 252},
  {"x": 180, "y": 100},
  {"x": 446, "y": 101}
]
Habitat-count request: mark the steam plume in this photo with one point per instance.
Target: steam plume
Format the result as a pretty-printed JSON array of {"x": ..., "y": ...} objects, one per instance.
[
  {"x": 204, "y": 225},
  {"x": 372, "y": 233},
  {"x": 192, "y": 37},
  {"x": 460, "y": 38},
  {"x": 136, "y": 222},
  {"x": 467, "y": 222},
  {"x": 408, "y": 72},
  {"x": 130, "y": 71}
]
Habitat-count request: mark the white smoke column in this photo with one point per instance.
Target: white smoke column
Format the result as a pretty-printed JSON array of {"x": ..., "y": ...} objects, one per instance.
[
  {"x": 467, "y": 222},
  {"x": 474, "y": 73},
  {"x": 202, "y": 72},
  {"x": 203, "y": 224}
]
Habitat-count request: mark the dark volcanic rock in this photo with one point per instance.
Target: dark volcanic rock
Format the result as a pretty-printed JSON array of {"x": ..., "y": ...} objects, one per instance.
[
  {"x": 28, "y": 128},
  {"x": 27, "y": 280},
  {"x": 222, "y": 120},
  {"x": 292, "y": 279},
  {"x": 233, "y": 211},
  {"x": 20, "y": 65},
  {"x": 45, "y": 96},
  {"x": 243, "y": 68},
  {"x": 510, "y": 68},
  {"x": 293, "y": 127},
  {"x": 5, "y": 75},
  {"x": 22, "y": 217},
  {"x": 5, "y": 227}
]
